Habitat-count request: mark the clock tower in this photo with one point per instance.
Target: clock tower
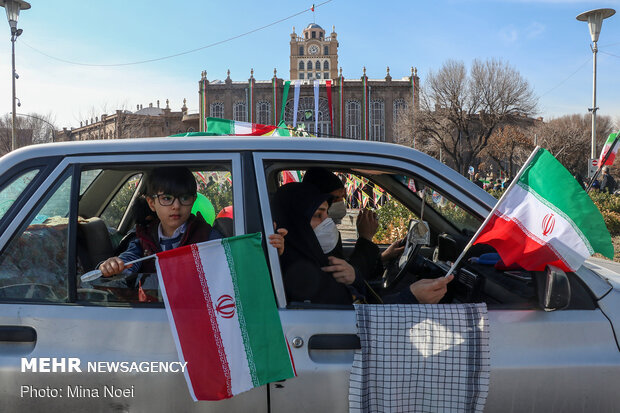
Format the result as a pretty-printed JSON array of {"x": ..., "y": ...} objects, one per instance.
[{"x": 313, "y": 55}]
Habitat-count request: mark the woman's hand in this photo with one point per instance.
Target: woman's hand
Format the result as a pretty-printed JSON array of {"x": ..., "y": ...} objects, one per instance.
[
  {"x": 430, "y": 291},
  {"x": 342, "y": 271},
  {"x": 367, "y": 224},
  {"x": 393, "y": 251},
  {"x": 277, "y": 240},
  {"x": 112, "y": 266}
]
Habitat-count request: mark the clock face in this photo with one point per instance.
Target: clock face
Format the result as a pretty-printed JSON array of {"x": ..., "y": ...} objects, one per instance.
[{"x": 313, "y": 49}]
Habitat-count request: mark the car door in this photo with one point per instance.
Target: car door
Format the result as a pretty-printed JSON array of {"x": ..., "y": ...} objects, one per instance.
[
  {"x": 540, "y": 361},
  {"x": 44, "y": 314}
]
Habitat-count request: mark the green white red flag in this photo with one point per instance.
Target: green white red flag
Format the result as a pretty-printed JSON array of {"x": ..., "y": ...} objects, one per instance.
[
  {"x": 223, "y": 316},
  {"x": 231, "y": 127},
  {"x": 546, "y": 218},
  {"x": 606, "y": 148}
]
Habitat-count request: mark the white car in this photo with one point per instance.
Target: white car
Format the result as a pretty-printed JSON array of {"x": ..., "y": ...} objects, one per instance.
[{"x": 65, "y": 207}]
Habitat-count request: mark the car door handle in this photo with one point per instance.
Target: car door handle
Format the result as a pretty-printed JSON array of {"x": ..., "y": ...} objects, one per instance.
[
  {"x": 18, "y": 334},
  {"x": 334, "y": 342}
]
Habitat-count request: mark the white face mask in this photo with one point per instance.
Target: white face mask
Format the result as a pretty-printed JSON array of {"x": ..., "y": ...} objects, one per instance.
[
  {"x": 327, "y": 234},
  {"x": 337, "y": 211}
]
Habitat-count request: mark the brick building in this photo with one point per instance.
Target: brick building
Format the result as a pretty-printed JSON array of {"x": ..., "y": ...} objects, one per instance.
[{"x": 361, "y": 108}]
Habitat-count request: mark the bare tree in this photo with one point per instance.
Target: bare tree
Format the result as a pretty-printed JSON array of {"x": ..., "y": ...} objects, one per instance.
[
  {"x": 459, "y": 111},
  {"x": 30, "y": 128},
  {"x": 509, "y": 146},
  {"x": 568, "y": 138}
]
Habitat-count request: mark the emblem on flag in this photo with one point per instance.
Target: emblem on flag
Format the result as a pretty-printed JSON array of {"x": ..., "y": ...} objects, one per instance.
[
  {"x": 548, "y": 224},
  {"x": 225, "y": 306}
]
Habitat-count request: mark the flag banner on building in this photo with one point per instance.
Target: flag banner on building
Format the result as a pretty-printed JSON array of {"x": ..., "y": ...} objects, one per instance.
[
  {"x": 287, "y": 86},
  {"x": 606, "y": 148},
  {"x": 223, "y": 316},
  {"x": 546, "y": 218},
  {"x": 251, "y": 99},
  {"x": 342, "y": 108},
  {"x": 296, "y": 102},
  {"x": 232, "y": 127},
  {"x": 316, "y": 107},
  {"x": 274, "y": 87},
  {"x": 420, "y": 358},
  {"x": 328, "y": 85}
]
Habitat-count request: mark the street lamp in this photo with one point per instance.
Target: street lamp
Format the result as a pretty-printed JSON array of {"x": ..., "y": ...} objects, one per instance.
[
  {"x": 595, "y": 22},
  {"x": 13, "y": 7}
]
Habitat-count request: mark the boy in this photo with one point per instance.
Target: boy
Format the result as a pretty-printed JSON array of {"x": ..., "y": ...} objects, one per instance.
[{"x": 170, "y": 195}]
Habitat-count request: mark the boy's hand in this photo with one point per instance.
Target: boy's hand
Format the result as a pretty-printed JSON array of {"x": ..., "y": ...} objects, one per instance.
[
  {"x": 112, "y": 266},
  {"x": 277, "y": 240},
  {"x": 341, "y": 270},
  {"x": 430, "y": 291}
]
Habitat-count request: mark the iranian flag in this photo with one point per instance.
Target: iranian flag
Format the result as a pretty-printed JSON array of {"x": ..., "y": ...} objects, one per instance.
[
  {"x": 223, "y": 316},
  {"x": 544, "y": 218},
  {"x": 232, "y": 127},
  {"x": 291, "y": 176},
  {"x": 606, "y": 148}
]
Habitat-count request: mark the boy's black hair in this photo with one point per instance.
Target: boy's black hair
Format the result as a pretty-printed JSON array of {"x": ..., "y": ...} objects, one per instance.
[{"x": 173, "y": 180}]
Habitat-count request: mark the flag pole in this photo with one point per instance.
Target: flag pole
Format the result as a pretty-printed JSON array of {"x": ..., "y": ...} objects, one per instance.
[
  {"x": 600, "y": 167},
  {"x": 94, "y": 274},
  {"x": 488, "y": 218}
]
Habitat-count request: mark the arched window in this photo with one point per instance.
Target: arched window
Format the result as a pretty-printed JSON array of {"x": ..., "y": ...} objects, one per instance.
[
  {"x": 216, "y": 110},
  {"x": 376, "y": 115},
  {"x": 325, "y": 50},
  {"x": 318, "y": 65},
  {"x": 353, "y": 117},
  {"x": 400, "y": 108},
  {"x": 240, "y": 112},
  {"x": 301, "y": 50},
  {"x": 263, "y": 112},
  {"x": 326, "y": 75},
  {"x": 309, "y": 65},
  {"x": 301, "y": 65},
  {"x": 326, "y": 65}
]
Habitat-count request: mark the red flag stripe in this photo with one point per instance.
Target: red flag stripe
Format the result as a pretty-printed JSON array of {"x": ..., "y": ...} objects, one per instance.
[
  {"x": 515, "y": 246},
  {"x": 198, "y": 336}
]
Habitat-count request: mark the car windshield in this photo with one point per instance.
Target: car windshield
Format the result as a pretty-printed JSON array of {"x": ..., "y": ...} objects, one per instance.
[{"x": 436, "y": 200}]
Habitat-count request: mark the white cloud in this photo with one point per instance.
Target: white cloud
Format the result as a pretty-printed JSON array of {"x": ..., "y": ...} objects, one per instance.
[{"x": 509, "y": 34}]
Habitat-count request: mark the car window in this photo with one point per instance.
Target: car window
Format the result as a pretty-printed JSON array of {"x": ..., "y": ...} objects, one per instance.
[
  {"x": 9, "y": 194},
  {"x": 87, "y": 178},
  {"x": 34, "y": 265},
  {"x": 113, "y": 213},
  {"x": 100, "y": 239}
]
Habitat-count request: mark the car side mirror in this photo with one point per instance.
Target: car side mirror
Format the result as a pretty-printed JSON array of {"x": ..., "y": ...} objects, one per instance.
[{"x": 553, "y": 289}]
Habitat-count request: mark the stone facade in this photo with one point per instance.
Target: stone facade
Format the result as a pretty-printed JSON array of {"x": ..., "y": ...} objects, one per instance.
[{"x": 313, "y": 55}]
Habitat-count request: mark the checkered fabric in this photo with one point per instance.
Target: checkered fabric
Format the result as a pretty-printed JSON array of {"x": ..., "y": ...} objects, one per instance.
[{"x": 421, "y": 358}]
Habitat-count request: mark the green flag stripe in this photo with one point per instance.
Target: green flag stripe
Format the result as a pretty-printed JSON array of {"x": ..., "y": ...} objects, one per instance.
[
  {"x": 546, "y": 177},
  {"x": 220, "y": 126},
  {"x": 259, "y": 311}
]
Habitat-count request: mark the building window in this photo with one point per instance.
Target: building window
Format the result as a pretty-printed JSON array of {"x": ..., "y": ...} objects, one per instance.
[
  {"x": 376, "y": 116},
  {"x": 318, "y": 75},
  {"x": 354, "y": 119},
  {"x": 263, "y": 112},
  {"x": 216, "y": 110},
  {"x": 306, "y": 35},
  {"x": 309, "y": 75},
  {"x": 325, "y": 50},
  {"x": 318, "y": 65},
  {"x": 240, "y": 112},
  {"x": 301, "y": 75},
  {"x": 326, "y": 75},
  {"x": 313, "y": 34},
  {"x": 320, "y": 35},
  {"x": 400, "y": 108},
  {"x": 326, "y": 65},
  {"x": 301, "y": 50},
  {"x": 309, "y": 65},
  {"x": 301, "y": 65}
]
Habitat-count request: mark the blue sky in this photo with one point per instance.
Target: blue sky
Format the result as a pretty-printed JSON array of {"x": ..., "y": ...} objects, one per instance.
[{"x": 541, "y": 39}]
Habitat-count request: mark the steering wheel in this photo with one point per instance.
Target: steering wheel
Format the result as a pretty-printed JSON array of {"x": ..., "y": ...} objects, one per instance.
[{"x": 397, "y": 269}]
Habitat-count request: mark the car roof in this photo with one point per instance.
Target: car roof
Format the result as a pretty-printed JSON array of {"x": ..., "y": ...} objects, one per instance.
[{"x": 233, "y": 144}]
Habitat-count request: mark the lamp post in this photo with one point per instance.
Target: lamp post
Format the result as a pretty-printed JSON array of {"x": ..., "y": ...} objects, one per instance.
[
  {"x": 595, "y": 22},
  {"x": 13, "y": 7}
]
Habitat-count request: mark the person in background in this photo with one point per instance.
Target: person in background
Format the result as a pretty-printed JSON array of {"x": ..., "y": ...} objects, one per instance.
[{"x": 608, "y": 183}]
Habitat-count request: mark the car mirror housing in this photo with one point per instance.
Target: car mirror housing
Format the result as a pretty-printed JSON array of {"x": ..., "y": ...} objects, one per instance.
[{"x": 553, "y": 289}]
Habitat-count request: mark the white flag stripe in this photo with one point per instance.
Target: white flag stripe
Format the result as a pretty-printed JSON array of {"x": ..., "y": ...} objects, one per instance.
[
  {"x": 220, "y": 285},
  {"x": 242, "y": 128},
  {"x": 520, "y": 205}
]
